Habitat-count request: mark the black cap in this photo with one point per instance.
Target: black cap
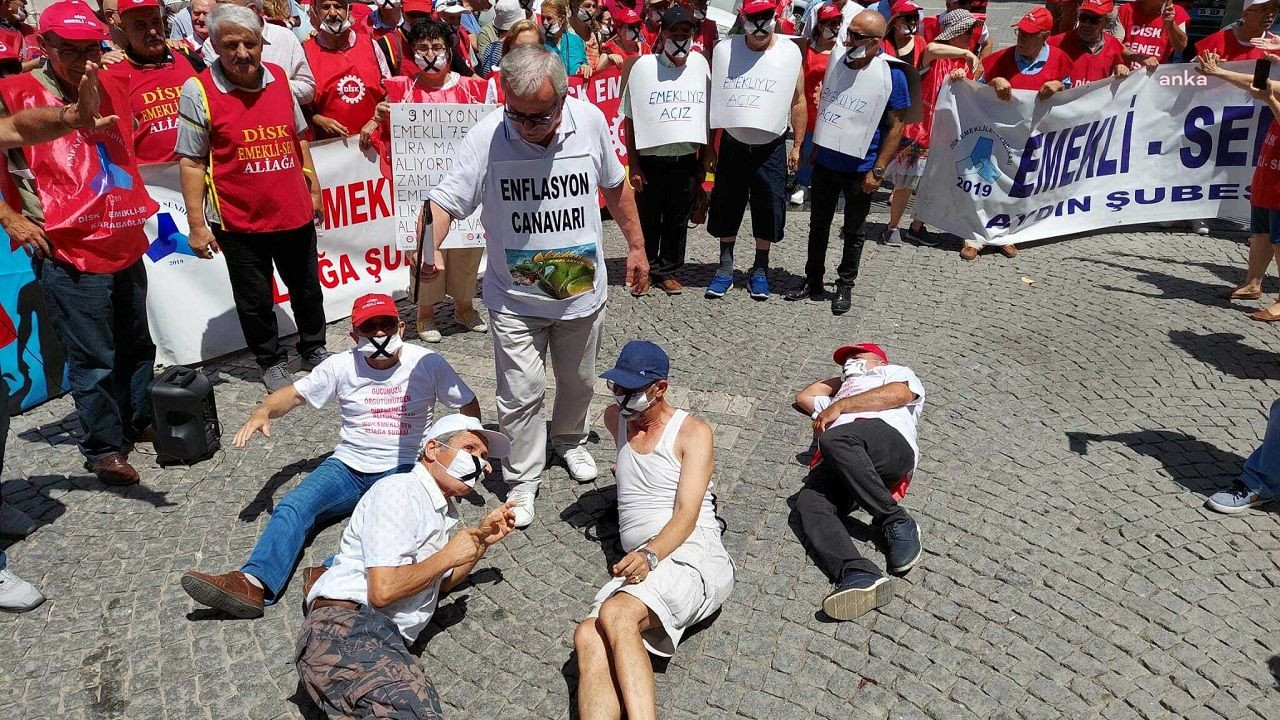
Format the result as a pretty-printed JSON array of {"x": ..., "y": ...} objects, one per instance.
[{"x": 674, "y": 16}]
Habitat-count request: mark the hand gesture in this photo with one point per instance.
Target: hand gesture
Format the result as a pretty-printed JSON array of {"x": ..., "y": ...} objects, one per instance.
[
  {"x": 465, "y": 547},
  {"x": 1004, "y": 91},
  {"x": 90, "y": 98},
  {"x": 30, "y": 236},
  {"x": 330, "y": 126},
  {"x": 1207, "y": 63},
  {"x": 1167, "y": 13},
  {"x": 257, "y": 423},
  {"x": 633, "y": 566},
  {"x": 202, "y": 242},
  {"x": 497, "y": 524},
  {"x": 1268, "y": 42}
]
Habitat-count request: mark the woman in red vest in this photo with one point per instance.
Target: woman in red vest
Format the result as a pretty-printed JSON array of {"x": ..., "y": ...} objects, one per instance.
[
  {"x": 349, "y": 72},
  {"x": 433, "y": 47},
  {"x": 627, "y": 41},
  {"x": 240, "y": 140}
]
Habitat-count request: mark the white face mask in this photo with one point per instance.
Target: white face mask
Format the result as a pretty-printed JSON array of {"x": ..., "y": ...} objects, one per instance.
[
  {"x": 584, "y": 15},
  {"x": 760, "y": 29},
  {"x": 336, "y": 27},
  {"x": 631, "y": 404},
  {"x": 857, "y": 53},
  {"x": 910, "y": 28},
  {"x": 21, "y": 16},
  {"x": 676, "y": 49},
  {"x": 855, "y": 366},
  {"x": 375, "y": 347},
  {"x": 552, "y": 28},
  {"x": 435, "y": 63},
  {"x": 465, "y": 467},
  {"x": 830, "y": 33},
  {"x": 699, "y": 15},
  {"x": 632, "y": 33}
]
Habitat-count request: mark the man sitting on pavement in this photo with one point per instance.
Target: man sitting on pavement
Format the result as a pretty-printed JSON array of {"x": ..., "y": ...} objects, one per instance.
[
  {"x": 865, "y": 422},
  {"x": 676, "y": 572},
  {"x": 398, "y": 554},
  {"x": 386, "y": 392}
]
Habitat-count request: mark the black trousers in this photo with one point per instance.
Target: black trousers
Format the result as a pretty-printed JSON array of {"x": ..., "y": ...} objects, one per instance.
[
  {"x": 860, "y": 460},
  {"x": 249, "y": 261},
  {"x": 827, "y": 186},
  {"x": 664, "y": 206}
]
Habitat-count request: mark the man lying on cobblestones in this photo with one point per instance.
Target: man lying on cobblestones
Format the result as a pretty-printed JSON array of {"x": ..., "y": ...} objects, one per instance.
[
  {"x": 676, "y": 572},
  {"x": 1259, "y": 484},
  {"x": 396, "y": 558},
  {"x": 386, "y": 392},
  {"x": 865, "y": 422}
]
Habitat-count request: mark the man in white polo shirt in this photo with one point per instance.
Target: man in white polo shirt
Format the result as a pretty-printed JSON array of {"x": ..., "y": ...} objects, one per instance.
[
  {"x": 398, "y": 555},
  {"x": 386, "y": 393},
  {"x": 865, "y": 421},
  {"x": 536, "y": 166}
]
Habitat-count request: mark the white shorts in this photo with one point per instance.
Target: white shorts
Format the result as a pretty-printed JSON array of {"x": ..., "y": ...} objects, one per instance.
[
  {"x": 905, "y": 170},
  {"x": 685, "y": 589}
]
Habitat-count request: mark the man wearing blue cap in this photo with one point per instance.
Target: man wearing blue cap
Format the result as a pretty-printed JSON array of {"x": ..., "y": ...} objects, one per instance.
[{"x": 676, "y": 572}]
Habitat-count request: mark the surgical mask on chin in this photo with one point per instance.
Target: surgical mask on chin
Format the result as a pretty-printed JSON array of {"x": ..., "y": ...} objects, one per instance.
[
  {"x": 584, "y": 15},
  {"x": 435, "y": 63},
  {"x": 854, "y": 367},
  {"x": 465, "y": 467},
  {"x": 375, "y": 347},
  {"x": 336, "y": 27},
  {"x": 761, "y": 29},
  {"x": 676, "y": 49},
  {"x": 606, "y": 33},
  {"x": 632, "y": 403},
  {"x": 857, "y": 53}
]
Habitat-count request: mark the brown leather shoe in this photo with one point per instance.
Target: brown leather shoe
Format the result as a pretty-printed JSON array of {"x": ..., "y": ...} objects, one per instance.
[
  {"x": 671, "y": 286},
  {"x": 309, "y": 577},
  {"x": 231, "y": 593},
  {"x": 968, "y": 252},
  {"x": 1009, "y": 251},
  {"x": 113, "y": 469}
]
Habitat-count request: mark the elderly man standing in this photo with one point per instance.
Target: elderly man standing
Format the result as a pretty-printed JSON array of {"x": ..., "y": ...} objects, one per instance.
[
  {"x": 22, "y": 52},
  {"x": 240, "y": 140},
  {"x": 82, "y": 209},
  {"x": 152, "y": 75},
  {"x": 1094, "y": 53},
  {"x": 350, "y": 72},
  {"x": 536, "y": 165},
  {"x": 676, "y": 572},
  {"x": 1235, "y": 42},
  {"x": 190, "y": 23},
  {"x": 399, "y": 554},
  {"x": 279, "y": 47},
  {"x": 386, "y": 393},
  {"x": 865, "y": 421},
  {"x": 847, "y": 157}
]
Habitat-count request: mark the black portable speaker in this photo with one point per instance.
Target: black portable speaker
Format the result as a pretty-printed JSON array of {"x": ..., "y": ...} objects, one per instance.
[{"x": 186, "y": 416}]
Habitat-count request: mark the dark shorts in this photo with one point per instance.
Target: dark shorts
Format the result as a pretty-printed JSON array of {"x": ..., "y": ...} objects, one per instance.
[
  {"x": 354, "y": 663},
  {"x": 1258, "y": 220},
  {"x": 749, "y": 174}
]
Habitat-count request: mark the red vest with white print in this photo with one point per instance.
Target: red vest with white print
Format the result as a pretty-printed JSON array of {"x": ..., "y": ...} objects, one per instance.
[
  {"x": 153, "y": 92},
  {"x": 348, "y": 83}
]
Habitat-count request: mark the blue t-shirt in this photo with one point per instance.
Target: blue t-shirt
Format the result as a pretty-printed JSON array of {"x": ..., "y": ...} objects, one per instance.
[
  {"x": 471, "y": 23},
  {"x": 571, "y": 51},
  {"x": 899, "y": 99}
]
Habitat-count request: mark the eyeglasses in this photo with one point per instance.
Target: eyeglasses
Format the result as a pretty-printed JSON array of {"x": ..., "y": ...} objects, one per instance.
[
  {"x": 858, "y": 38},
  {"x": 71, "y": 54},
  {"x": 536, "y": 120},
  {"x": 437, "y": 49},
  {"x": 1089, "y": 19},
  {"x": 617, "y": 389}
]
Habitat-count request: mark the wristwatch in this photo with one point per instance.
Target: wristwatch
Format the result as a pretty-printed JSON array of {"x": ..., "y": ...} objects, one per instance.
[
  {"x": 649, "y": 557},
  {"x": 877, "y": 173}
]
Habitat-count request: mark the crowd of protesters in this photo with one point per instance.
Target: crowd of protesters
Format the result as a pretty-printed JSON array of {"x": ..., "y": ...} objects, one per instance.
[{"x": 234, "y": 93}]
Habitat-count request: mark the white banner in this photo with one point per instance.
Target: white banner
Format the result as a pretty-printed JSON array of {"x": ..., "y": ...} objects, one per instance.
[
  {"x": 1168, "y": 145},
  {"x": 189, "y": 305},
  {"x": 424, "y": 141}
]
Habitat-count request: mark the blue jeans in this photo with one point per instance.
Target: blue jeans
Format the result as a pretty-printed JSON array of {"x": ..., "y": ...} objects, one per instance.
[
  {"x": 330, "y": 492},
  {"x": 101, "y": 321},
  {"x": 1262, "y": 469},
  {"x": 804, "y": 174}
]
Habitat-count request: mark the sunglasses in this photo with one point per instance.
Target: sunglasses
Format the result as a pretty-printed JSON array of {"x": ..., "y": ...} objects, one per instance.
[
  {"x": 1089, "y": 19},
  {"x": 535, "y": 120},
  {"x": 857, "y": 38}
]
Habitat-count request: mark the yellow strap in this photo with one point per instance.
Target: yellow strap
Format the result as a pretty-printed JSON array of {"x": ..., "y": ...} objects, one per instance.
[{"x": 208, "y": 170}]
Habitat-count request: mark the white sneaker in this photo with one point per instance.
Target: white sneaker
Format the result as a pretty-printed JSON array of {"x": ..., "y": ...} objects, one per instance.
[
  {"x": 17, "y": 595},
  {"x": 1199, "y": 227},
  {"x": 797, "y": 197},
  {"x": 582, "y": 467},
  {"x": 14, "y": 522},
  {"x": 428, "y": 331},
  {"x": 891, "y": 237},
  {"x": 524, "y": 507}
]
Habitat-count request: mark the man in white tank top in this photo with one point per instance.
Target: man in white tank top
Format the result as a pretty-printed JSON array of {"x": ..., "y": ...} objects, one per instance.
[{"x": 676, "y": 572}]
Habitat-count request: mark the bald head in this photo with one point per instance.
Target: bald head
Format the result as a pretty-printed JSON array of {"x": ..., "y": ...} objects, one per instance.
[{"x": 869, "y": 22}]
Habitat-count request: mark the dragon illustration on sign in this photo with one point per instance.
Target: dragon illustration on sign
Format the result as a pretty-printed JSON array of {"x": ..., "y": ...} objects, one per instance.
[{"x": 560, "y": 274}]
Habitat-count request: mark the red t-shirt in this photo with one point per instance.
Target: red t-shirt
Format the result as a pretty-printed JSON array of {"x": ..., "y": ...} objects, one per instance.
[
  {"x": 1225, "y": 44},
  {"x": 931, "y": 81},
  {"x": 1087, "y": 66},
  {"x": 1002, "y": 64},
  {"x": 1144, "y": 33},
  {"x": 1266, "y": 176},
  {"x": 815, "y": 66}
]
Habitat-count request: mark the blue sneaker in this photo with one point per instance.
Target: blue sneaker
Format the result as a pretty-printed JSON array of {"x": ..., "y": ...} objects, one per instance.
[
  {"x": 1236, "y": 500},
  {"x": 903, "y": 538},
  {"x": 858, "y": 593},
  {"x": 719, "y": 285},
  {"x": 758, "y": 285}
]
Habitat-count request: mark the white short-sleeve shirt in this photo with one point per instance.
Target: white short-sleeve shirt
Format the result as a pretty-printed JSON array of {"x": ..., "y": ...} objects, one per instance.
[
  {"x": 384, "y": 412},
  {"x": 402, "y": 520},
  {"x": 903, "y": 419}
]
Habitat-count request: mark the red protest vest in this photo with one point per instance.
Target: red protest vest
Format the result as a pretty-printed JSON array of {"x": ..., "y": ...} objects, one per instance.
[
  {"x": 153, "y": 92},
  {"x": 931, "y": 82},
  {"x": 93, "y": 200},
  {"x": 1001, "y": 64},
  {"x": 1266, "y": 177},
  {"x": 7, "y": 335},
  {"x": 255, "y": 165},
  {"x": 348, "y": 83},
  {"x": 1087, "y": 66},
  {"x": 466, "y": 90}
]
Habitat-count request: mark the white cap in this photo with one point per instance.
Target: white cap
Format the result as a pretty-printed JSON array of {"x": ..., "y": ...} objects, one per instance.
[
  {"x": 450, "y": 6},
  {"x": 507, "y": 13},
  {"x": 499, "y": 444},
  {"x": 1254, "y": 3}
]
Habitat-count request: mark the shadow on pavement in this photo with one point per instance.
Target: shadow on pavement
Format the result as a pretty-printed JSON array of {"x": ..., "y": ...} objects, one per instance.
[
  {"x": 1226, "y": 353},
  {"x": 595, "y": 513},
  {"x": 265, "y": 499},
  {"x": 1199, "y": 466}
]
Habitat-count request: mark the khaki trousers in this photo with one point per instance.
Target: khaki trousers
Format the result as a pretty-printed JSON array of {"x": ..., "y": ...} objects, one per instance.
[{"x": 458, "y": 282}]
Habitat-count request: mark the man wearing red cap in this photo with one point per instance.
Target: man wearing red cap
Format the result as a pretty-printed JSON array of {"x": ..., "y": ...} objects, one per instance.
[
  {"x": 865, "y": 421},
  {"x": 386, "y": 391},
  {"x": 82, "y": 207},
  {"x": 19, "y": 51},
  {"x": 350, "y": 73},
  {"x": 387, "y": 26},
  {"x": 152, "y": 76},
  {"x": 1235, "y": 42},
  {"x": 1094, "y": 53},
  {"x": 1154, "y": 30}
]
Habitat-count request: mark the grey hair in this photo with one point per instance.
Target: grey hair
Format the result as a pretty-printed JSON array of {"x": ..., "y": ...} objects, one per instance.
[
  {"x": 445, "y": 439},
  {"x": 228, "y": 15},
  {"x": 527, "y": 66}
]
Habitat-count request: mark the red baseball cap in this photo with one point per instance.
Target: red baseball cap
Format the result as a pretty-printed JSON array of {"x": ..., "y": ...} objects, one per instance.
[
  {"x": 623, "y": 15},
  {"x": 127, "y": 5},
  {"x": 903, "y": 7},
  {"x": 752, "y": 7},
  {"x": 1037, "y": 21},
  {"x": 72, "y": 20},
  {"x": 829, "y": 12},
  {"x": 1097, "y": 7},
  {"x": 418, "y": 6},
  {"x": 843, "y": 352},
  {"x": 373, "y": 305}
]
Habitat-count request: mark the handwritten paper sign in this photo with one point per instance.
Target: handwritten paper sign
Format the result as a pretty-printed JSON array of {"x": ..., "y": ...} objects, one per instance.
[
  {"x": 753, "y": 89},
  {"x": 668, "y": 105}
]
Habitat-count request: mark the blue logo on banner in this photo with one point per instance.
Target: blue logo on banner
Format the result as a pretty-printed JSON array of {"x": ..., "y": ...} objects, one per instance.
[
  {"x": 168, "y": 240},
  {"x": 33, "y": 366},
  {"x": 111, "y": 176},
  {"x": 979, "y": 161}
]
